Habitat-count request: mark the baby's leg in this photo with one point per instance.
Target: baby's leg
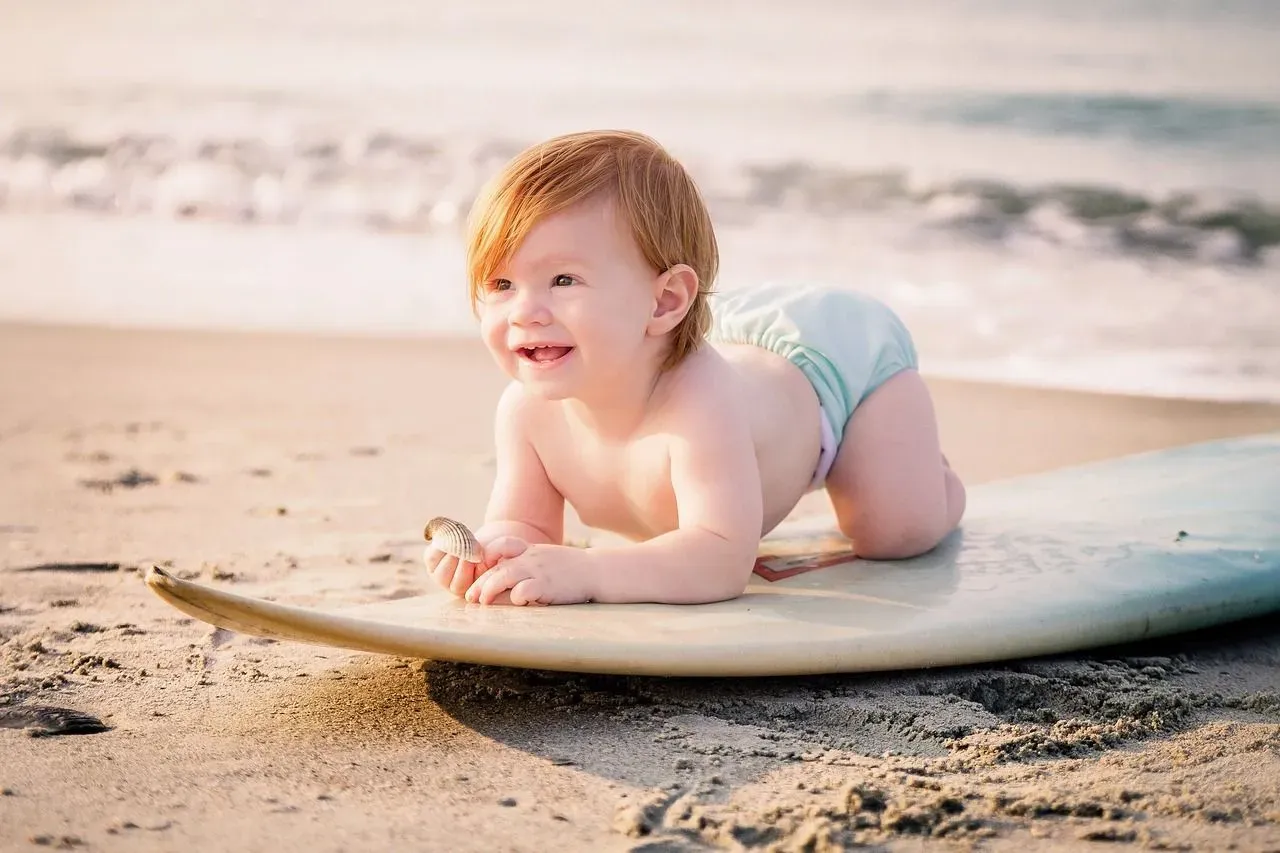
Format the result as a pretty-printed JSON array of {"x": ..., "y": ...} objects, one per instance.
[{"x": 893, "y": 492}]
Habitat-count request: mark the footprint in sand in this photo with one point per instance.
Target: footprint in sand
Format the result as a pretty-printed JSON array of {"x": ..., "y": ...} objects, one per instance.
[
  {"x": 47, "y": 721},
  {"x": 131, "y": 479}
]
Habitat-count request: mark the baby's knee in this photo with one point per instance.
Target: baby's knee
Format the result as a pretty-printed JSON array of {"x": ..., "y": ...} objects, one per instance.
[
  {"x": 899, "y": 536},
  {"x": 957, "y": 500},
  {"x": 894, "y": 541}
]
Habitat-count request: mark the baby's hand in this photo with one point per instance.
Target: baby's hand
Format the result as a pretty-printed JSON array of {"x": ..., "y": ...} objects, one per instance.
[
  {"x": 458, "y": 575},
  {"x": 537, "y": 574}
]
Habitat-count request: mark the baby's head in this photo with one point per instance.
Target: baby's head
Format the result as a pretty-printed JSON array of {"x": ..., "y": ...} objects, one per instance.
[{"x": 647, "y": 192}]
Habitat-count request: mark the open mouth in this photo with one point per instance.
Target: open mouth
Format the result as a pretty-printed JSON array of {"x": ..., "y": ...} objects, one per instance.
[{"x": 544, "y": 354}]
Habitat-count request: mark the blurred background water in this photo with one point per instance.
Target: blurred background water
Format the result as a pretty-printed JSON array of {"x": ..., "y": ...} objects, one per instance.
[{"x": 1076, "y": 194}]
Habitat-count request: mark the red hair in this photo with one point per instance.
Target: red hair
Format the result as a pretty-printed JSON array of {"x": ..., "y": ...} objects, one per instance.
[{"x": 655, "y": 196}]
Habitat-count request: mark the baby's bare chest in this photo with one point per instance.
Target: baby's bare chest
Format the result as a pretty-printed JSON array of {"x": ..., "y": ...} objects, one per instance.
[{"x": 622, "y": 488}]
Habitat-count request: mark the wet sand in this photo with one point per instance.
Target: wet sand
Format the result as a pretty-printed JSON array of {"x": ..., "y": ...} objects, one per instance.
[{"x": 303, "y": 467}]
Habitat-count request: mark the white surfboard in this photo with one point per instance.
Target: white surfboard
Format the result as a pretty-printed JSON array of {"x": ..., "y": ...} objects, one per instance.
[{"x": 1110, "y": 552}]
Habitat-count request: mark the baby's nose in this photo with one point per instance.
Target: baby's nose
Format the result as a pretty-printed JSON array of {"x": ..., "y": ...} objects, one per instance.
[{"x": 529, "y": 309}]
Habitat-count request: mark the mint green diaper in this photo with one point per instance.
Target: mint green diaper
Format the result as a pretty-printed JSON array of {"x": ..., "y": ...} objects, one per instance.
[{"x": 845, "y": 342}]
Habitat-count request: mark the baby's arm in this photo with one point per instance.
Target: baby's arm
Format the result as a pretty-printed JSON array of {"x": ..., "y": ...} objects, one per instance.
[
  {"x": 523, "y": 503},
  {"x": 716, "y": 480},
  {"x": 523, "y": 506}
]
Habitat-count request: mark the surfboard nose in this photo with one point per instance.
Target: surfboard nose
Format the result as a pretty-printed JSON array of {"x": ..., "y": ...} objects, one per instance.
[{"x": 157, "y": 578}]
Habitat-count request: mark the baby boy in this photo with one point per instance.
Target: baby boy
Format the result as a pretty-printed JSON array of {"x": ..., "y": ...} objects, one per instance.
[{"x": 689, "y": 422}]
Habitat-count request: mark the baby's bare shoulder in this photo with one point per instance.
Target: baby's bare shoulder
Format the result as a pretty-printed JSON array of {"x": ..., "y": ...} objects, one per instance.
[
  {"x": 520, "y": 411},
  {"x": 703, "y": 389}
]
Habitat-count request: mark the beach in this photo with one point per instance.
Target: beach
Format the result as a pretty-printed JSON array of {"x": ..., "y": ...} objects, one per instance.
[
  {"x": 302, "y": 467},
  {"x": 235, "y": 343}
]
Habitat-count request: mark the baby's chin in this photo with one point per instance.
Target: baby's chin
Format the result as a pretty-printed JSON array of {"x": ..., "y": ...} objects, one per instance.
[
  {"x": 541, "y": 392},
  {"x": 541, "y": 388}
]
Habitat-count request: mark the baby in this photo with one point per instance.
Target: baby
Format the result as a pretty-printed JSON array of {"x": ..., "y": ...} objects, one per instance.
[{"x": 689, "y": 423}]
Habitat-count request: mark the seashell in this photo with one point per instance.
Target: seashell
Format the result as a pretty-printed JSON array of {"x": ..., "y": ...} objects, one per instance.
[{"x": 453, "y": 537}]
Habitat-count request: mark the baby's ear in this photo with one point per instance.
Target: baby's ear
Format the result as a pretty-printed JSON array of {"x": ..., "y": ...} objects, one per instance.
[{"x": 674, "y": 292}]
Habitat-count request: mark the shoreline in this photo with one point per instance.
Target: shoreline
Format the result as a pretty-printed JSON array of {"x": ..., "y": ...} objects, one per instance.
[{"x": 1032, "y": 314}]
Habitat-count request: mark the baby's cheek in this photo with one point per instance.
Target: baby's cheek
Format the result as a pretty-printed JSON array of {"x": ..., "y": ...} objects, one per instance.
[
  {"x": 490, "y": 329},
  {"x": 494, "y": 336}
]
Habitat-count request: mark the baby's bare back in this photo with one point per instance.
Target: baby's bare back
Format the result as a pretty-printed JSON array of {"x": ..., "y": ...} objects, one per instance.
[
  {"x": 625, "y": 487},
  {"x": 785, "y": 424}
]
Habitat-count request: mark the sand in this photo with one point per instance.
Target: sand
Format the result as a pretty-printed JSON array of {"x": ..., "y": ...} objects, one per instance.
[{"x": 303, "y": 468}]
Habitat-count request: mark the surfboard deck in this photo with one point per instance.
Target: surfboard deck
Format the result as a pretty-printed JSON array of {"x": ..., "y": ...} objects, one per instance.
[{"x": 1110, "y": 552}]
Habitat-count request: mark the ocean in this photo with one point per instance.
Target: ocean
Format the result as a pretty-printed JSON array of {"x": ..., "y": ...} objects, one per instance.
[{"x": 1079, "y": 194}]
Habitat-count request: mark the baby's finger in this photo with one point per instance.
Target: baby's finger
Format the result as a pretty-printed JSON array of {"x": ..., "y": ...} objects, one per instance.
[
  {"x": 528, "y": 591},
  {"x": 477, "y": 586},
  {"x": 490, "y": 584},
  {"x": 463, "y": 577},
  {"x": 445, "y": 570},
  {"x": 431, "y": 557}
]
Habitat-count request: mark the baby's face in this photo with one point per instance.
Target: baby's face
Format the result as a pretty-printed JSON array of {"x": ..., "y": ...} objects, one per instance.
[{"x": 568, "y": 313}]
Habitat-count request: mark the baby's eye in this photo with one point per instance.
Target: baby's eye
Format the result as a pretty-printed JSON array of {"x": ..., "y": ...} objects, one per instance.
[
  {"x": 499, "y": 284},
  {"x": 562, "y": 280}
]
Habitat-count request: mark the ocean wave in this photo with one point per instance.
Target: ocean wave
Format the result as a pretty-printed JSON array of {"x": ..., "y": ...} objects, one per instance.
[
  {"x": 390, "y": 181},
  {"x": 1234, "y": 125}
]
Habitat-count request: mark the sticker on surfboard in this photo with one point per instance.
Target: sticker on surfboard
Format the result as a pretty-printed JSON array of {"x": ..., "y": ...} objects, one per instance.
[{"x": 794, "y": 555}]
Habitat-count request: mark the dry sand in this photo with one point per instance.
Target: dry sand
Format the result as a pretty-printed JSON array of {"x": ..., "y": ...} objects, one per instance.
[{"x": 303, "y": 468}]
